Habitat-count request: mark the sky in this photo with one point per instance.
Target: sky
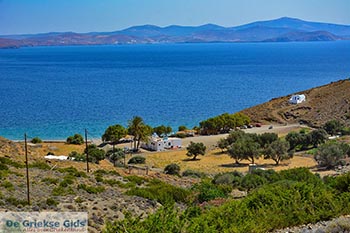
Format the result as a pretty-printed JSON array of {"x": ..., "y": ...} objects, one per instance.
[{"x": 39, "y": 16}]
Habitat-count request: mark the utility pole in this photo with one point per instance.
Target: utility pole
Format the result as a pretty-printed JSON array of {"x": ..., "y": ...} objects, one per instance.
[
  {"x": 87, "y": 152},
  {"x": 27, "y": 172}
]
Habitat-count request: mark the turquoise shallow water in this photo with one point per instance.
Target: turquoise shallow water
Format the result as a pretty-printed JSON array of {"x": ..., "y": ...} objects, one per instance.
[{"x": 53, "y": 92}]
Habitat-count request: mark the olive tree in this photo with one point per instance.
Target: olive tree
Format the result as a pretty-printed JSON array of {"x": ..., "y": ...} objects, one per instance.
[
  {"x": 277, "y": 151},
  {"x": 195, "y": 148}
]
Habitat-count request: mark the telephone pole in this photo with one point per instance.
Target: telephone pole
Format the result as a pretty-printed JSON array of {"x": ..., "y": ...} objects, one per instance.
[
  {"x": 87, "y": 152},
  {"x": 27, "y": 172}
]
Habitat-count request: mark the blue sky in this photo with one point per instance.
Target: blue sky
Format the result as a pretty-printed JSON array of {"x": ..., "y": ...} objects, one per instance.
[{"x": 34, "y": 16}]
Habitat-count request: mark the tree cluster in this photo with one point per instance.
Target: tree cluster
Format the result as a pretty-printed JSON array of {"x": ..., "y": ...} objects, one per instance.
[
  {"x": 244, "y": 146},
  {"x": 223, "y": 123},
  {"x": 302, "y": 140}
]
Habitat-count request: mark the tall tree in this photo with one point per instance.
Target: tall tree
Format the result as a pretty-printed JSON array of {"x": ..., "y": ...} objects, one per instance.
[
  {"x": 318, "y": 137},
  {"x": 278, "y": 151},
  {"x": 113, "y": 133},
  {"x": 195, "y": 149},
  {"x": 245, "y": 148},
  {"x": 139, "y": 130}
]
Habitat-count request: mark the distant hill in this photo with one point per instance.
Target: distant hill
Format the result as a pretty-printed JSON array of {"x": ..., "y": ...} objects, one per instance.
[
  {"x": 279, "y": 30},
  {"x": 324, "y": 103}
]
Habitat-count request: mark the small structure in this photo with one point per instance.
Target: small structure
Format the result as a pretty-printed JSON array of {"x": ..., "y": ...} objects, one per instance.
[
  {"x": 297, "y": 99},
  {"x": 160, "y": 144},
  {"x": 56, "y": 157}
]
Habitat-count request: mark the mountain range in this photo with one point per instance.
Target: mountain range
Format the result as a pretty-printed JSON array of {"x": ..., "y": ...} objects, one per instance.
[{"x": 278, "y": 30}]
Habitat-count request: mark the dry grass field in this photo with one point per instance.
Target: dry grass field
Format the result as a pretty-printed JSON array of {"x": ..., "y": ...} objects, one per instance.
[{"x": 215, "y": 162}]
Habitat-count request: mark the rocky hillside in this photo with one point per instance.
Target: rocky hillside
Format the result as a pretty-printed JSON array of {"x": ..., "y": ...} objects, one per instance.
[{"x": 331, "y": 101}]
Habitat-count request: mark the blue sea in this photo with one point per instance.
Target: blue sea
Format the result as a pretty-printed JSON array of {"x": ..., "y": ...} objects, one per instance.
[{"x": 54, "y": 92}]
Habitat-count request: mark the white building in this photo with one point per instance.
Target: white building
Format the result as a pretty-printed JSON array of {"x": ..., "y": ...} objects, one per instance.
[
  {"x": 160, "y": 144},
  {"x": 297, "y": 99}
]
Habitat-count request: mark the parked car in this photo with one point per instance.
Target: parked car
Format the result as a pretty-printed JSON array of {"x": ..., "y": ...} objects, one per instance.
[{"x": 257, "y": 125}]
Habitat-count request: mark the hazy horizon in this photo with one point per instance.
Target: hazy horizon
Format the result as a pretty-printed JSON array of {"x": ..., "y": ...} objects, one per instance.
[{"x": 82, "y": 16}]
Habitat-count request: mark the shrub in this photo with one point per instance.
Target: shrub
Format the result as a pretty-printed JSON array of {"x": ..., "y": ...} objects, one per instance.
[
  {"x": 95, "y": 154},
  {"x": 161, "y": 192},
  {"x": 137, "y": 160},
  {"x": 330, "y": 154},
  {"x": 40, "y": 165},
  {"x": 91, "y": 189},
  {"x": 51, "y": 202},
  {"x": 73, "y": 171},
  {"x": 77, "y": 156},
  {"x": 14, "y": 201},
  {"x": 36, "y": 140},
  {"x": 252, "y": 181},
  {"x": 208, "y": 191},
  {"x": 172, "y": 169},
  {"x": 194, "y": 174},
  {"x": 61, "y": 191},
  {"x": 7, "y": 185},
  {"x": 229, "y": 178},
  {"x": 49, "y": 180},
  {"x": 76, "y": 139},
  {"x": 8, "y": 161},
  {"x": 136, "y": 179}
]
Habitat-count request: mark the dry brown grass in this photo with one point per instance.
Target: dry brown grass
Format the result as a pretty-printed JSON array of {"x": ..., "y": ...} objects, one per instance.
[{"x": 215, "y": 162}]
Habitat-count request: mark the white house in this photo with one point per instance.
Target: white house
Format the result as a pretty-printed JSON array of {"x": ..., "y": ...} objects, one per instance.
[
  {"x": 297, "y": 99},
  {"x": 159, "y": 144}
]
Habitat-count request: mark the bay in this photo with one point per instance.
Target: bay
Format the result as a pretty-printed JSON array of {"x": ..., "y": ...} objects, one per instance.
[{"x": 54, "y": 92}]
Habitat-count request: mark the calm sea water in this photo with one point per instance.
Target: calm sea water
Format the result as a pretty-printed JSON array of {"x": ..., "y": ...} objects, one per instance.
[{"x": 54, "y": 92}]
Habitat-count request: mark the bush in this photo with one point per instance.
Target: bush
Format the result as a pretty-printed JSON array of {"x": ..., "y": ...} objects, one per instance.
[
  {"x": 172, "y": 169},
  {"x": 135, "y": 179},
  {"x": 49, "y": 180},
  {"x": 194, "y": 174},
  {"x": 162, "y": 192},
  {"x": 36, "y": 140},
  {"x": 91, "y": 189},
  {"x": 40, "y": 165},
  {"x": 77, "y": 156},
  {"x": 14, "y": 201},
  {"x": 76, "y": 139},
  {"x": 137, "y": 160},
  {"x": 8, "y": 161},
  {"x": 208, "y": 191},
  {"x": 7, "y": 185},
  {"x": 229, "y": 178},
  {"x": 73, "y": 171},
  {"x": 51, "y": 202},
  {"x": 330, "y": 154}
]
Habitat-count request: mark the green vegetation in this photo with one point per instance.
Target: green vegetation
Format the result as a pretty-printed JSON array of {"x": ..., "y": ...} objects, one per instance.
[
  {"x": 331, "y": 154},
  {"x": 162, "y": 130},
  {"x": 137, "y": 160},
  {"x": 91, "y": 189},
  {"x": 51, "y": 202},
  {"x": 40, "y": 165},
  {"x": 333, "y": 127},
  {"x": 275, "y": 200},
  {"x": 76, "y": 139},
  {"x": 278, "y": 151},
  {"x": 95, "y": 154},
  {"x": 7, "y": 185},
  {"x": 223, "y": 123},
  {"x": 162, "y": 192},
  {"x": 139, "y": 130},
  {"x": 182, "y": 128},
  {"x": 172, "y": 169},
  {"x": 195, "y": 148},
  {"x": 114, "y": 133},
  {"x": 49, "y": 180},
  {"x": 115, "y": 156},
  {"x": 8, "y": 161},
  {"x": 73, "y": 171},
  {"x": 36, "y": 140},
  {"x": 194, "y": 174}
]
